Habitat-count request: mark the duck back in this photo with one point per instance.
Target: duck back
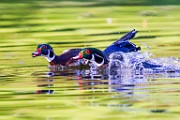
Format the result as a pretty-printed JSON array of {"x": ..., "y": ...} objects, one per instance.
[{"x": 64, "y": 58}]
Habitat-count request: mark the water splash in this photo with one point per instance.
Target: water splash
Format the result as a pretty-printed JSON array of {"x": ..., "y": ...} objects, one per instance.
[{"x": 142, "y": 62}]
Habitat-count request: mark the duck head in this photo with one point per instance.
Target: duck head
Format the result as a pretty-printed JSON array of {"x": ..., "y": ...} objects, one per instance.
[
  {"x": 44, "y": 50},
  {"x": 92, "y": 55}
]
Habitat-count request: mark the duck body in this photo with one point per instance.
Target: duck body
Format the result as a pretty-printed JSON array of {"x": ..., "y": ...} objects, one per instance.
[
  {"x": 122, "y": 45},
  {"x": 53, "y": 59},
  {"x": 102, "y": 57},
  {"x": 65, "y": 58}
]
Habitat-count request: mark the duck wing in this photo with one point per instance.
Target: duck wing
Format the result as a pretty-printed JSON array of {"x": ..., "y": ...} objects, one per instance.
[
  {"x": 66, "y": 56},
  {"x": 126, "y": 37},
  {"x": 122, "y": 45},
  {"x": 71, "y": 52}
]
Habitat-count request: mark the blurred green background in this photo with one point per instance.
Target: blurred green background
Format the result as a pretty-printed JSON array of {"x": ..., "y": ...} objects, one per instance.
[{"x": 67, "y": 24}]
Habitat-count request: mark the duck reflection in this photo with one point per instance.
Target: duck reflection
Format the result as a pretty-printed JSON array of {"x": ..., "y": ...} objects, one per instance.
[
  {"x": 124, "y": 82},
  {"x": 96, "y": 79},
  {"x": 45, "y": 83},
  {"x": 111, "y": 79}
]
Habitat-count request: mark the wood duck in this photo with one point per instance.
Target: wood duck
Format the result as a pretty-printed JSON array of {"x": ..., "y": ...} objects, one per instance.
[
  {"x": 89, "y": 54},
  {"x": 102, "y": 57},
  {"x": 63, "y": 59}
]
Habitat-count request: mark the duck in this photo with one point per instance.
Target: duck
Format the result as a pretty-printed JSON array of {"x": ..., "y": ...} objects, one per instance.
[
  {"x": 63, "y": 59},
  {"x": 87, "y": 54},
  {"x": 100, "y": 58}
]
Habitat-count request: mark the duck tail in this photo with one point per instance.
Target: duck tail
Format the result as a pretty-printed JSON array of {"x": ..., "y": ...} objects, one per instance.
[{"x": 126, "y": 37}]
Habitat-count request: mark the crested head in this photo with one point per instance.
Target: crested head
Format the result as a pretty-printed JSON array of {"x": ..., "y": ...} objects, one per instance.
[
  {"x": 86, "y": 53},
  {"x": 44, "y": 50},
  {"x": 93, "y": 55}
]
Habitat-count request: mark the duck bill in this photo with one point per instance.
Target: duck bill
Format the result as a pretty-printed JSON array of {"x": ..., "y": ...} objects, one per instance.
[{"x": 36, "y": 53}]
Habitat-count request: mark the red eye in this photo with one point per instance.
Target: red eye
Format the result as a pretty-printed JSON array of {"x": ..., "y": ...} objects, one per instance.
[{"x": 88, "y": 52}]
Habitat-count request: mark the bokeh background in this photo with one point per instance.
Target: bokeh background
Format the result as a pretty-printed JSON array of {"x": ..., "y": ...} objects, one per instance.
[{"x": 66, "y": 24}]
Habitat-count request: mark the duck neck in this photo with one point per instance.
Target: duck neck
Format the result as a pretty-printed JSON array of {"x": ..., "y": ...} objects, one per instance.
[
  {"x": 50, "y": 56},
  {"x": 99, "y": 60}
]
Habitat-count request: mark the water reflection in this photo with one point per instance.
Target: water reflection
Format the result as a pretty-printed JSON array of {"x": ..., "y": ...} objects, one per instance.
[
  {"x": 119, "y": 89},
  {"x": 47, "y": 83},
  {"x": 130, "y": 82}
]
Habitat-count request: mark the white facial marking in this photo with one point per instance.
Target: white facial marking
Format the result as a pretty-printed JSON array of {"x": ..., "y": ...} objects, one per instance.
[
  {"x": 49, "y": 59},
  {"x": 76, "y": 57},
  {"x": 93, "y": 60}
]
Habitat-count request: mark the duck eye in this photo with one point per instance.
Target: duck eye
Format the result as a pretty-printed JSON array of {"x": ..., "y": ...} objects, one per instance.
[
  {"x": 44, "y": 47},
  {"x": 88, "y": 52}
]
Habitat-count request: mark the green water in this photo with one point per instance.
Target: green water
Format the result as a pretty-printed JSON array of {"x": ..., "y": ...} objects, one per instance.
[
  {"x": 72, "y": 24},
  {"x": 71, "y": 97}
]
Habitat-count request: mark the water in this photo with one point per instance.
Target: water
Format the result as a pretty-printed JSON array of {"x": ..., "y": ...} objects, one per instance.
[
  {"x": 115, "y": 92},
  {"x": 125, "y": 89}
]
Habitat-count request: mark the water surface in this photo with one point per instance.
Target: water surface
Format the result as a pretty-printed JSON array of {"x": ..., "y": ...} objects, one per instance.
[
  {"x": 30, "y": 91},
  {"x": 81, "y": 93}
]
